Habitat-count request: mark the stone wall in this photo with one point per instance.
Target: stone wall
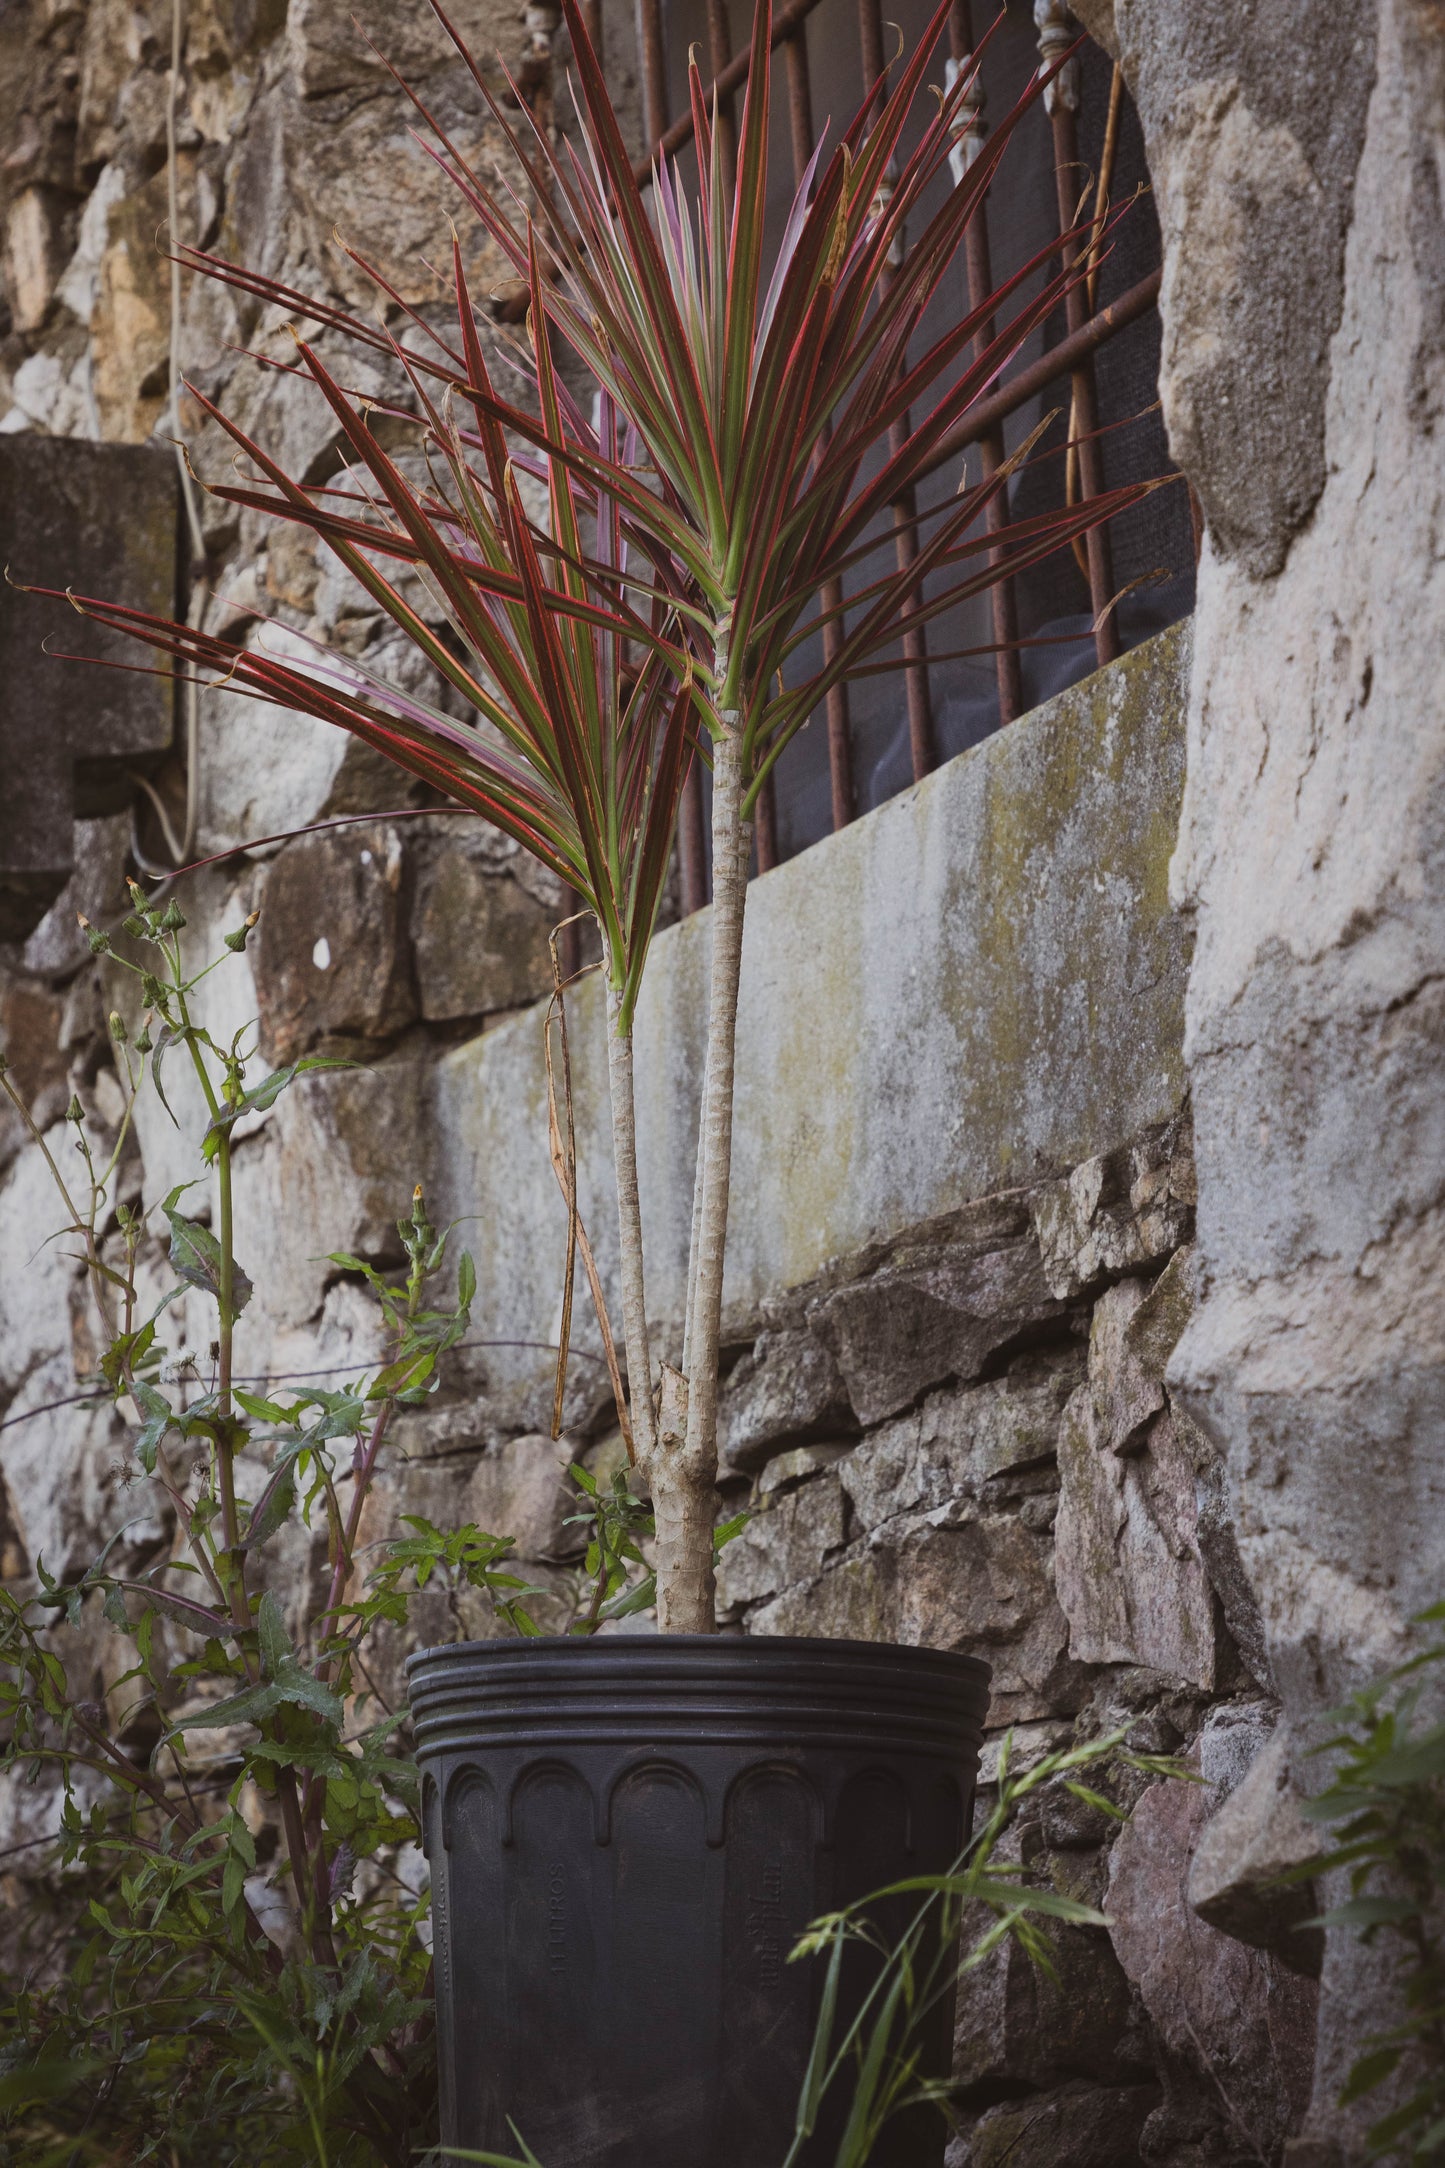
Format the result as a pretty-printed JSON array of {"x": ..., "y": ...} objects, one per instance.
[
  {"x": 1298, "y": 156},
  {"x": 993, "y": 1381}
]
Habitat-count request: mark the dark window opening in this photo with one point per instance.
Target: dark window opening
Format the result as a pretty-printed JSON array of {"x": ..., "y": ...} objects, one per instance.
[{"x": 1152, "y": 546}]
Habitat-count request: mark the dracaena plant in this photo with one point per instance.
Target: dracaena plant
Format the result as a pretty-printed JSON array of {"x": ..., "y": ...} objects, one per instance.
[
  {"x": 759, "y": 397},
  {"x": 730, "y": 480}
]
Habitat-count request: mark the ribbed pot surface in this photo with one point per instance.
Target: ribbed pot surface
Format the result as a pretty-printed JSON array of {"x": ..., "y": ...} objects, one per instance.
[{"x": 628, "y": 1835}]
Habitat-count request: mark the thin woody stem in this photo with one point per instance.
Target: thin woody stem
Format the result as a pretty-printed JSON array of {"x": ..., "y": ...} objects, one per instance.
[
  {"x": 730, "y": 843},
  {"x": 684, "y": 1494},
  {"x": 699, "y": 1175},
  {"x": 225, "y": 1455},
  {"x": 714, "y": 1144},
  {"x": 629, "y": 1231},
  {"x": 346, "y": 1545}
]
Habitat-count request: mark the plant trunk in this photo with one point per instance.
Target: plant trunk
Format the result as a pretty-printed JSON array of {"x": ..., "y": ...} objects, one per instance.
[
  {"x": 684, "y": 1512},
  {"x": 684, "y": 1494},
  {"x": 629, "y": 1234}
]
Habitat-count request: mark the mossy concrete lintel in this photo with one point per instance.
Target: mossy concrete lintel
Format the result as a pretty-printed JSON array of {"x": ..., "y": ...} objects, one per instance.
[{"x": 975, "y": 986}]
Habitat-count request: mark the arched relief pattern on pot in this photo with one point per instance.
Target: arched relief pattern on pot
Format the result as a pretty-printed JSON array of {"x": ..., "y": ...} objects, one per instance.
[
  {"x": 661, "y": 1885},
  {"x": 455, "y": 1784},
  {"x": 554, "y": 1768},
  {"x": 666, "y": 1768},
  {"x": 938, "y": 1801},
  {"x": 473, "y": 1975},
  {"x": 792, "y": 1781},
  {"x": 553, "y": 1895},
  {"x": 775, "y": 1885},
  {"x": 568, "y": 1883}
]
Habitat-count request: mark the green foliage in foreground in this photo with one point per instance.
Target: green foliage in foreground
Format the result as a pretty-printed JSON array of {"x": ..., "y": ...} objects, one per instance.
[
  {"x": 877, "y": 2061},
  {"x": 1386, "y": 1804},
  {"x": 233, "y": 1968}
]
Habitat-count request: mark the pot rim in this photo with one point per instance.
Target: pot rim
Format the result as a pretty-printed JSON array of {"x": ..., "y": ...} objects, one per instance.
[{"x": 743, "y": 1648}]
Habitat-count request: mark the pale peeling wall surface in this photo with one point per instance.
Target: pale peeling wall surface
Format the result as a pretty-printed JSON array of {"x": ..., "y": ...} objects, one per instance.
[{"x": 1312, "y": 852}]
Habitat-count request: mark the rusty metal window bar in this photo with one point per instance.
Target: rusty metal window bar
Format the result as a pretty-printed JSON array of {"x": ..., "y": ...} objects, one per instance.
[{"x": 1086, "y": 138}]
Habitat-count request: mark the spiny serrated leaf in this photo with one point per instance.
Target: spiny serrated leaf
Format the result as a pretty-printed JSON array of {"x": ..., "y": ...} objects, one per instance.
[
  {"x": 272, "y": 1637},
  {"x": 158, "y": 1414},
  {"x": 272, "y": 1509},
  {"x": 195, "y": 1257}
]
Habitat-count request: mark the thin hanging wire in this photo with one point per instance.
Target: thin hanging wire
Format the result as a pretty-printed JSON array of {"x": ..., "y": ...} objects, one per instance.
[{"x": 180, "y": 847}]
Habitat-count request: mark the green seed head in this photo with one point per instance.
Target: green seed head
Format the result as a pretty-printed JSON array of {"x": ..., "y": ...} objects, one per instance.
[{"x": 236, "y": 941}]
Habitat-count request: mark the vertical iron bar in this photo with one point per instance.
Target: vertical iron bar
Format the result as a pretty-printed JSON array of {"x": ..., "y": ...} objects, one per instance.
[
  {"x": 800, "y": 101},
  {"x": 905, "y": 508},
  {"x": 765, "y": 826},
  {"x": 692, "y": 844},
  {"x": 875, "y": 60},
  {"x": 915, "y": 644},
  {"x": 719, "y": 53},
  {"x": 569, "y": 940},
  {"x": 654, "y": 71},
  {"x": 967, "y": 145},
  {"x": 1057, "y": 31},
  {"x": 840, "y": 741}
]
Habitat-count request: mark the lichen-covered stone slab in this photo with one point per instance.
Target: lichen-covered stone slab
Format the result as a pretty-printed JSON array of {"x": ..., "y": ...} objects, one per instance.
[
  {"x": 916, "y": 1029},
  {"x": 787, "y": 1391}
]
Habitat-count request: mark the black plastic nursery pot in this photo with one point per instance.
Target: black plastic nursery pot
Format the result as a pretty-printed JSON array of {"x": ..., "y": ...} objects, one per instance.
[{"x": 627, "y": 1836}]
